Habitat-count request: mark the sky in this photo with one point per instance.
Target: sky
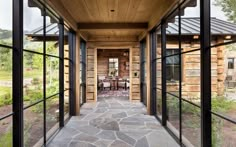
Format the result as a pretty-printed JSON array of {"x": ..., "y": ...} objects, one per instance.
[{"x": 34, "y": 19}]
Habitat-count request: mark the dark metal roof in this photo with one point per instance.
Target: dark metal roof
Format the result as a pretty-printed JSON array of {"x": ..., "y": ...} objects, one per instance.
[{"x": 191, "y": 26}]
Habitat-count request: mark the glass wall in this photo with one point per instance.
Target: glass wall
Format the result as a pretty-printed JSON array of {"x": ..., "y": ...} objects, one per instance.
[
  {"x": 6, "y": 51},
  {"x": 178, "y": 56},
  {"x": 41, "y": 74},
  {"x": 223, "y": 82},
  {"x": 185, "y": 73}
]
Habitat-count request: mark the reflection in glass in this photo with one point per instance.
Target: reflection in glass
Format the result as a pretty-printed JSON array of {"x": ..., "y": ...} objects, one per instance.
[
  {"x": 33, "y": 78},
  {"x": 191, "y": 124},
  {"x": 173, "y": 112},
  {"x": 52, "y": 115},
  {"x": 33, "y": 30},
  {"x": 66, "y": 104},
  {"x": 6, "y": 22},
  {"x": 52, "y": 35},
  {"x": 159, "y": 103},
  {"x": 52, "y": 76},
  {"x": 223, "y": 21},
  {"x": 223, "y": 85},
  {"x": 5, "y": 81},
  {"x": 33, "y": 125},
  {"x": 223, "y": 132},
  {"x": 191, "y": 76},
  {"x": 6, "y": 132}
]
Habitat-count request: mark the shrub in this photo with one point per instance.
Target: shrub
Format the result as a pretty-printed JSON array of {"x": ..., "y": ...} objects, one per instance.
[
  {"x": 6, "y": 139},
  {"x": 5, "y": 99}
]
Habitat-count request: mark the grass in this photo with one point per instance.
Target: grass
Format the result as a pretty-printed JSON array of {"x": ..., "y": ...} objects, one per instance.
[
  {"x": 4, "y": 90},
  {"x": 7, "y": 75},
  {"x": 6, "y": 139}
]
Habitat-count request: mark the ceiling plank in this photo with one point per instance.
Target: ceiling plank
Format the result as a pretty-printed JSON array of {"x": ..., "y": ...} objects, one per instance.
[
  {"x": 62, "y": 11},
  {"x": 166, "y": 6},
  {"x": 103, "y": 10},
  {"x": 112, "y": 26}
]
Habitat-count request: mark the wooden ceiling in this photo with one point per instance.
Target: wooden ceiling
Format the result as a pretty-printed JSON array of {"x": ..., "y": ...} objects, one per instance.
[
  {"x": 101, "y": 10},
  {"x": 114, "y": 11}
]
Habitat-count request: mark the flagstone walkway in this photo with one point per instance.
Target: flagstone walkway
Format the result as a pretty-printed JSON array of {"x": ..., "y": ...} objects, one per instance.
[{"x": 113, "y": 122}]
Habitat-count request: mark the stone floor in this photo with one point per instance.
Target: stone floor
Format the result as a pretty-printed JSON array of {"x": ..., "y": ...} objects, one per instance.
[{"x": 113, "y": 122}]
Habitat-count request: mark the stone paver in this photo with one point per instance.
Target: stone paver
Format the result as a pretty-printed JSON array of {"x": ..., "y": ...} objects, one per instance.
[{"x": 113, "y": 122}]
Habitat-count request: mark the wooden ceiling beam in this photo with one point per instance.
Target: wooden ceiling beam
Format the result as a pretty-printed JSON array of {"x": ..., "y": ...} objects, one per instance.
[
  {"x": 113, "y": 39},
  {"x": 86, "y": 26}
]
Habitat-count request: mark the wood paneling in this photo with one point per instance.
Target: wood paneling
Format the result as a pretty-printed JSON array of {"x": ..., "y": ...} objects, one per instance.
[
  {"x": 135, "y": 71},
  {"x": 125, "y": 10},
  {"x": 90, "y": 91}
]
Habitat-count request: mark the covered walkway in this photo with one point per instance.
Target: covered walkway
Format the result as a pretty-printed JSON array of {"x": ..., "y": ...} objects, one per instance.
[{"x": 113, "y": 122}]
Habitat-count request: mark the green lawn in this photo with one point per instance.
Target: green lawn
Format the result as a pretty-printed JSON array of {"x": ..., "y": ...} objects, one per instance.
[
  {"x": 7, "y": 75},
  {"x": 4, "y": 90}
]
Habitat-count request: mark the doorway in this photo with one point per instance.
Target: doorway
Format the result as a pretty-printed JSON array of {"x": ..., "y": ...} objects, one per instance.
[{"x": 113, "y": 73}]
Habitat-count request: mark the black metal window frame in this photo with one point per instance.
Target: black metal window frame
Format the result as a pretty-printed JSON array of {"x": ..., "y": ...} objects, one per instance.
[
  {"x": 205, "y": 52},
  {"x": 18, "y": 51}
]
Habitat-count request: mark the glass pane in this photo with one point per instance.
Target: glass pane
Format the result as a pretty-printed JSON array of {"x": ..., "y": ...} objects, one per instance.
[
  {"x": 33, "y": 78},
  {"x": 33, "y": 125},
  {"x": 191, "y": 124},
  {"x": 66, "y": 104},
  {"x": 190, "y": 27},
  {"x": 191, "y": 77},
  {"x": 6, "y": 132},
  {"x": 173, "y": 113},
  {"x": 159, "y": 103},
  {"x": 5, "y": 81},
  {"x": 66, "y": 74},
  {"x": 52, "y": 35},
  {"x": 223, "y": 132},
  {"x": 172, "y": 32},
  {"x": 6, "y": 22},
  {"x": 172, "y": 75},
  {"x": 52, "y": 115},
  {"x": 52, "y": 76},
  {"x": 33, "y": 27},
  {"x": 223, "y": 80},
  {"x": 223, "y": 21}
]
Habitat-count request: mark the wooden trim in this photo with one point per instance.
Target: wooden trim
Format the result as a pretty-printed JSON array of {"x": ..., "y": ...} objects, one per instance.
[
  {"x": 112, "y": 25},
  {"x": 130, "y": 74},
  {"x": 95, "y": 74},
  {"x": 113, "y": 39},
  {"x": 148, "y": 64},
  {"x": 60, "y": 9},
  {"x": 77, "y": 64},
  {"x": 95, "y": 69},
  {"x": 160, "y": 13}
]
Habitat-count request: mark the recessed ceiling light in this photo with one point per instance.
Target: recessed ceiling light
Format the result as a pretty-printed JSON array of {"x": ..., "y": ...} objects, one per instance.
[{"x": 112, "y": 10}]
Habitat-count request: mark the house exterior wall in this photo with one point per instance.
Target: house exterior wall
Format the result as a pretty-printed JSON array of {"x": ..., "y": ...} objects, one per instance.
[{"x": 191, "y": 71}]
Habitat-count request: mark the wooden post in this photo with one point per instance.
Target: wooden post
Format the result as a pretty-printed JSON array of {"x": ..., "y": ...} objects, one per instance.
[
  {"x": 148, "y": 64},
  {"x": 77, "y": 83}
]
